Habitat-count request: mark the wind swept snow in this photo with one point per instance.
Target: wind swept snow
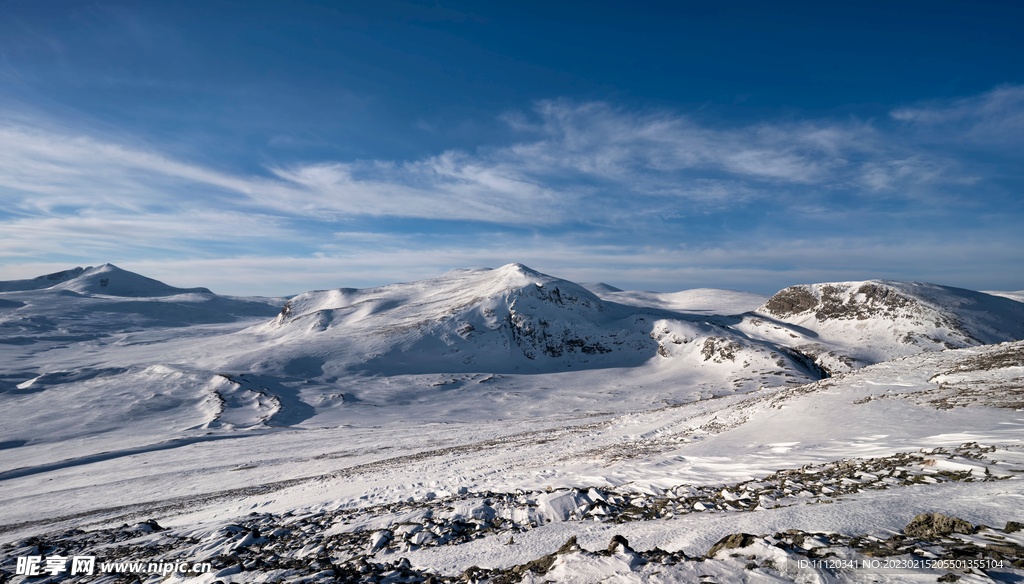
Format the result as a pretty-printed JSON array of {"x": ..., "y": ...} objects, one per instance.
[
  {"x": 1018, "y": 295},
  {"x": 708, "y": 301}
]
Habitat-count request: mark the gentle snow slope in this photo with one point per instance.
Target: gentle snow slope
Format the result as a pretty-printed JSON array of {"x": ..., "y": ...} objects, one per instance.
[{"x": 696, "y": 301}]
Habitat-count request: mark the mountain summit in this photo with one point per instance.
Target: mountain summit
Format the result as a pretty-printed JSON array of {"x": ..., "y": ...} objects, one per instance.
[
  {"x": 495, "y": 319},
  {"x": 107, "y": 280},
  {"x": 507, "y": 320},
  {"x": 851, "y": 324}
]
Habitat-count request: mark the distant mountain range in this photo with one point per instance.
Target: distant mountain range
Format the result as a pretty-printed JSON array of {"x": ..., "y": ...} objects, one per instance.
[{"x": 514, "y": 319}]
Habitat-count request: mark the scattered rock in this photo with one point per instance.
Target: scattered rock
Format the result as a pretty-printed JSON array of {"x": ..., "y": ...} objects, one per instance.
[
  {"x": 730, "y": 542},
  {"x": 569, "y": 546},
  {"x": 792, "y": 300},
  {"x": 933, "y": 525},
  {"x": 613, "y": 545},
  {"x": 287, "y": 542}
]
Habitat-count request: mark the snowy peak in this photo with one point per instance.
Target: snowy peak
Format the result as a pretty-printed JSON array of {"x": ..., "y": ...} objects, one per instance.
[
  {"x": 875, "y": 299},
  {"x": 42, "y": 282},
  {"x": 110, "y": 280},
  {"x": 514, "y": 318},
  {"x": 440, "y": 297},
  {"x": 877, "y": 320},
  {"x": 106, "y": 280},
  {"x": 968, "y": 312},
  {"x": 87, "y": 302},
  {"x": 517, "y": 276},
  {"x": 493, "y": 319},
  {"x": 507, "y": 320},
  {"x": 601, "y": 288}
]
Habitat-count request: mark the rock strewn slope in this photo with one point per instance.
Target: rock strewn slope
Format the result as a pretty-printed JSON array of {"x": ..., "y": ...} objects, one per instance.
[{"x": 846, "y": 325}]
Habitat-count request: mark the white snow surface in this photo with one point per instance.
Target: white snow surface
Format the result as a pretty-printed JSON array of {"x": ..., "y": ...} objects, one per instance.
[
  {"x": 1018, "y": 295},
  {"x": 124, "y": 395},
  {"x": 711, "y": 301}
]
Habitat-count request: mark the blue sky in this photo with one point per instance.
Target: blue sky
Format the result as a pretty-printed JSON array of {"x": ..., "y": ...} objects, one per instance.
[{"x": 272, "y": 148}]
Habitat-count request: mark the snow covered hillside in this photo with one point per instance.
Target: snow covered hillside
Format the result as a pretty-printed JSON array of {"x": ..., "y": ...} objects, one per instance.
[
  {"x": 100, "y": 300},
  {"x": 504, "y": 425},
  {"x": 697, "y": 301},
  {"x": 504, "y": 321},
  {"x": 107, "y": 280},
  {"x": 1018, "y": 295},
  {"x": 846, "y": 325}
]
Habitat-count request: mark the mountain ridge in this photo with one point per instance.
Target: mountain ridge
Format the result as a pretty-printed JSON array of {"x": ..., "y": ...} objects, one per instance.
[
  {"x": 514, "y": 318},
  {"x": 864, "y": 322},
  {"x": 106, "y": 279}
]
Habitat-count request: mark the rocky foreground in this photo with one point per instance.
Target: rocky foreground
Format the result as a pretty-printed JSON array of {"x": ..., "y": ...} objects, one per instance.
[{"x": 369, "y": 544}]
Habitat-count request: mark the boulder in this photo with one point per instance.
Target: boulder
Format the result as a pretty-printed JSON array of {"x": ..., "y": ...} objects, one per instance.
[
  {"x": 729, "y": 542},
  {"x": 933, "y": 525}
]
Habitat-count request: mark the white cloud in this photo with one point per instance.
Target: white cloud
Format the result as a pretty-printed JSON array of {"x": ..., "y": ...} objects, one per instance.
[
  {"x": 452, "y": 185},
  {"x": 108, "y": 234},
  {"x": 596, "y": 139},
  {"x": 995, "y": 117},
  {"x": 72, "y": 195},
  {"x": 572, "y": 155},
  {"x": 762, "y": 267},
  {"x": 914, "y": 170}
]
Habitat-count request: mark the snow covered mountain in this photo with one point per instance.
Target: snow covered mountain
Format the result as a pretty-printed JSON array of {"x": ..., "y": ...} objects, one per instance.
[
  {"x": 40, "y": 282},
  {"x": 1018, "y": 295},
  {"x": 846, "y": 325},
  {"x": 504, "y": 321},
  {"x": 107, "y": 279},
  {"x": 708, "y": 301},
  {"x": 470, "y": 317},
  {"x": 106, "y": 298},
  {"x": 484, "y": 417}
]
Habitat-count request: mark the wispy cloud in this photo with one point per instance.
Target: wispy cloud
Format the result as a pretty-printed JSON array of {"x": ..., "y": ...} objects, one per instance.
[
  {"x": 572, "y": 167},
  {"x": 599, "y": 140},
  {"x": 570, "y": 154},
  {"x": 453, "y": 185},
  {"x": 95, "y": 233},
  {"x": 994, "y": 118},
  {"x": 763, "y": 267},
  {"x": 41, "y": 171}
]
